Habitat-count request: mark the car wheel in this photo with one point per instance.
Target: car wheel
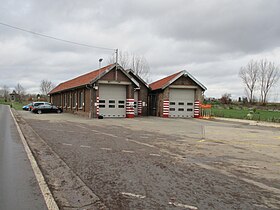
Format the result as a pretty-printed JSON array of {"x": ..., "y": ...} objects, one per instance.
[
  {"x": 58, "y": 111},
  {"x": 39, "y": 112}
]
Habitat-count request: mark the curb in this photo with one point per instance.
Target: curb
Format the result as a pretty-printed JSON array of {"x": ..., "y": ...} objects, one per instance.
[{"x": 48, "y": 197}]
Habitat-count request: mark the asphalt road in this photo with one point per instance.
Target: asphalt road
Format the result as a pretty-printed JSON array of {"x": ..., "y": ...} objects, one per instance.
[
  {"x": 18, "y": 186},
  {"x": 155, "y": 163}
]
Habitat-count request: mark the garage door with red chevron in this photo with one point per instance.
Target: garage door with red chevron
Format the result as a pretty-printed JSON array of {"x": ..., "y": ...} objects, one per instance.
[
  {"x": 181, "y": 103},
  {"x": 112, "y": 99}
]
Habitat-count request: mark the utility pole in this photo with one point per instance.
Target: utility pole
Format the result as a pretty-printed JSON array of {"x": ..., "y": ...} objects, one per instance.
[
  {"x": 117, "y": 55},
  {"x": 116, "y": 73}
]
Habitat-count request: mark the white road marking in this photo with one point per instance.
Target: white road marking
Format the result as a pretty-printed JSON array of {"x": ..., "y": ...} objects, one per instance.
[
  {"x": 246, "y": 166},
  {"x": 81, "y": 126},
  {"x": 111, "y": 135},
  {"x": 95, "y": 131},
  {"x": 183, "y": 205},
  {"x": 49, "y": 199},
  {"x": 141, "y": 143},
  {"x": 144, "y": 137},
  {"x": 85, "y": 146},
  {"x": 183, "y": 140},
  {"x": 104, "y": 148},
  {"x": 157, "y": 155},
  {"x": 65, "y": 144},
  {"x": 133, "y": 195},
  {"x": 203, "y": 140},
  {"x": 128, "y": 151}
]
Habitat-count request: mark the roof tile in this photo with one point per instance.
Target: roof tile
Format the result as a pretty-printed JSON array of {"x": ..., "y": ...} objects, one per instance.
[
  {"x": 80, "y": 80},
  {"x": 162, "y": 82}
]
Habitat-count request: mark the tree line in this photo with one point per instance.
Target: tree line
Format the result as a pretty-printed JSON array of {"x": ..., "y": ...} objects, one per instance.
[{"x": 45, "y": 87}]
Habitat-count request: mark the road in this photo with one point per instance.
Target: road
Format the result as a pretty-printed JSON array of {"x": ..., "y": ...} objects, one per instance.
[
  {"x": 18, "y": 186},
  {"x": 155, "y": 163}
]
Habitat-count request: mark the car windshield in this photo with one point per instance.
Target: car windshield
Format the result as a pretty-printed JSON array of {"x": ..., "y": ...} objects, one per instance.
[
  {"x": 40, "y": 103},
  {"x": 45, "y": 106}
]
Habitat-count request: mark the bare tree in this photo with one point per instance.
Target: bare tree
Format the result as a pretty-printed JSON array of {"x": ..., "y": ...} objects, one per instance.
[
  {"x": 46, "y": 86},
  {"x": 269, "y": 76},
  {"x": 137, "y": 63},
  {"x": 226, "y": 98},
  {"x": 5, "y": 92},
  {"x": 20, "y": 91},
  {"x": 249, "y": 75},
  {"x": 141, "y": 67}
]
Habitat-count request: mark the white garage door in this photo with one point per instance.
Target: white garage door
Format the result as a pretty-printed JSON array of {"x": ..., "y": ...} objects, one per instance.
[
  {"x": 112, "y": 100},
  {"x": 181, "y": 103}
]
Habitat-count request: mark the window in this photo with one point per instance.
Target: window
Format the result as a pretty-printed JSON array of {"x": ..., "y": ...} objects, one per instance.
[
  {"x": 74, "y": 100},
  {"x": 121, "y": 106},
  {"x": 172, "y": 103},
  {"x": 102, "y": 106},
  {"x": 189, "y": 110},
  {"x": 181, "y": 103},
  {"x": 111, "y": 106},
  {"x": 81, "y": 99},
  {"x": 111, "y": 101},
  {"x": 101, "y": 101},
  {"x": 172, "y": 109},
  {"x": 65, "y": 99},
  {"x": 121, "y": 102},
  {"x": 189, "y": 104},
  {"x": 181, "y": 109},
  {"x": 68, "y": 100}
]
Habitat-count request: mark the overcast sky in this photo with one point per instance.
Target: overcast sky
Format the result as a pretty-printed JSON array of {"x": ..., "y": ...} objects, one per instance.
[{"x": 209, "y": 39}]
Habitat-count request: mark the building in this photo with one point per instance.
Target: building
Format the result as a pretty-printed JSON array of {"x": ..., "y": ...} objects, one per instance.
[
  {"x": 14, "y": 97},
  {"x": 109, "y": 92},
  {"x": 175, "y": 95},
  {"x": 112, "y": 91},
  {"x": 140, "y": 95}
]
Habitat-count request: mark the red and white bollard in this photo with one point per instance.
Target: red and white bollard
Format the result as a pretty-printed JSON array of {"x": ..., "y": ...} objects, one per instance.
[
  {"x": 139, "y": 108},
  {"x": 165, "y": 109},
  {"x": 130, "y": 108},
  {"x": 196, "y": 109},
  {"x": 97, "y": 106}
]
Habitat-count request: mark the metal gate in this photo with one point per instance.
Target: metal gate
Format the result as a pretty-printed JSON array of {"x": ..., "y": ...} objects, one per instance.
[
  {"x": 112, "y": 99},
  {"x": 181, "y": 103}
]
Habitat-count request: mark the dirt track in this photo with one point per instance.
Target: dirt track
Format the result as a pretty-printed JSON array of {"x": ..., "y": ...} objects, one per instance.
[{"x": 153, "y": 163}]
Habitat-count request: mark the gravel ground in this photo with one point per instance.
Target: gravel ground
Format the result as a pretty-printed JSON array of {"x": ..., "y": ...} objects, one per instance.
[{"x": 155, "y": 163}]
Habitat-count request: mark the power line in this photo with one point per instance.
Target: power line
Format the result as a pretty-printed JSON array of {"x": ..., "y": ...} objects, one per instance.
[{"x": 55, "y": 38}]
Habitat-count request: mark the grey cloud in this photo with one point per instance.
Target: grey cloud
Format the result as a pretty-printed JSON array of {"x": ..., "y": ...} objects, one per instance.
[{"x": 210, "y": 39}]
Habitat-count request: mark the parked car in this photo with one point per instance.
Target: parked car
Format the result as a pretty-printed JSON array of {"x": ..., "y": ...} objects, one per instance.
[
  {"x": 38, "y": 103},
  {"x": 46, "y": 108},
  {"x": 26, "y": 107}
]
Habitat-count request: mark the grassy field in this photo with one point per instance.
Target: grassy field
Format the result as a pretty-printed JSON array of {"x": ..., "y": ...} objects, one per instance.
[
  {"x": 15, "y": 105},
  {"x": 259, "y": 115}
]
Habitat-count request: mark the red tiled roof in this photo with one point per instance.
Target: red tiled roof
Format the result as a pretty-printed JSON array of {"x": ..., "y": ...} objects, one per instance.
[
  {"x": 162, "y": 82},
  {"x": 81, "y": 80}
]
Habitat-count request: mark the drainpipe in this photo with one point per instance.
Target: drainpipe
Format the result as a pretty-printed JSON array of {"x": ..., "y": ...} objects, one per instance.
[{"x": 91, "y": 100}]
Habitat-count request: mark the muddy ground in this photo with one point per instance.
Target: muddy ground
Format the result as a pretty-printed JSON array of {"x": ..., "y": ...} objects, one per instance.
[{"x": 155, "y": 163}]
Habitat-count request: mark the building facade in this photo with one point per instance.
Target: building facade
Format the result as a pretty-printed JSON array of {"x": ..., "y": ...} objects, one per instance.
[
  {"x": 108, "y": 92},
  {"x": 175, "y": 95},
  {"x": 112, "y": 91}
]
